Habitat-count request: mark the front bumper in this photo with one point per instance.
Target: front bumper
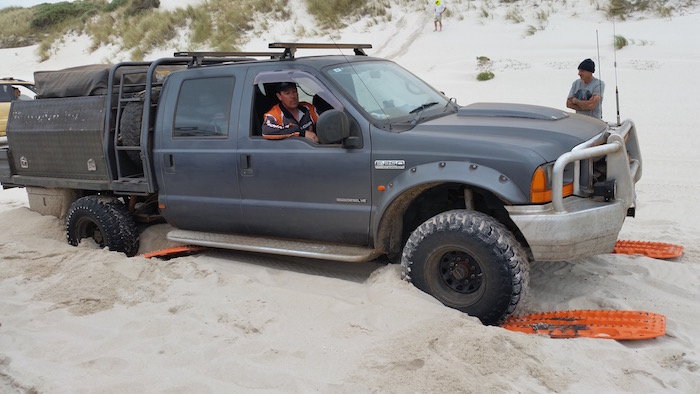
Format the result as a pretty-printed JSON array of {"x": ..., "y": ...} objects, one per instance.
[
  {"x": 581, "y": 226},
  {"x": 587, "y": 228}
]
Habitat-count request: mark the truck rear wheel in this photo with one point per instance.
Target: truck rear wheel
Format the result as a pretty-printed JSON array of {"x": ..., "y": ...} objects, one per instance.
[
  {"x": 468, "y": 261},
  {"x": 104, "y": 219}
]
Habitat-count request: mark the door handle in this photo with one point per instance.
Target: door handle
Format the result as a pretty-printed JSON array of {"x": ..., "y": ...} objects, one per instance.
[
  {"x": 169, "y": 163},
  {"x": 246, "y": 164}
]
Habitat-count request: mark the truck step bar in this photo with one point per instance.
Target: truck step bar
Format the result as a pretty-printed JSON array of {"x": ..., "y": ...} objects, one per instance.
[{"x": 323, "y": 251}]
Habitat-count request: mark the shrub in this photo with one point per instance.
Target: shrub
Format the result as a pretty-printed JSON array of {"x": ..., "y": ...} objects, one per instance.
[
  {"x": 48, "y": 16},
  {"x": 114, "y": 4},
  {"x": 138, "y": 6},
  {"x": 485, "y": 76}
]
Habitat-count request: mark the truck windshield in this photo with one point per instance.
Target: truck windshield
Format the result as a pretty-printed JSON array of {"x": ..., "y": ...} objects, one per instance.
[{"x": 389, "y": 94}]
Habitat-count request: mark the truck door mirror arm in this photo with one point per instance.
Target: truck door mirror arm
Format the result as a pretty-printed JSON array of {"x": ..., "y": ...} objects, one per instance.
[{"x": 352, "y": 142}]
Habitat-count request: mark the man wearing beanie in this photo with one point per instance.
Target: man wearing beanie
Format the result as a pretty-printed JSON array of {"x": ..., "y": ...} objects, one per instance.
[{"x": 586, "y": 94}]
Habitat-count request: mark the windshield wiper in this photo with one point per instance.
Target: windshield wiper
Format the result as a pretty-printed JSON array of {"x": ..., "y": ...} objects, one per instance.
[
  {"x": 420, "y": 110},
  {"x": 423, "y": 107}
]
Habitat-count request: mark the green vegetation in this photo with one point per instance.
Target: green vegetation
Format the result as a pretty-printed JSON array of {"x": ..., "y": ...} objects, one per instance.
[
  {"x": 114, "y": 4},
  {"x": 483, "y": 63},
  {"x": 623, "y": 9},
  {"x": 14, "y": 28},
  {"x": 542, "y": 16},
  {"x": 513, "y": 14},
  {"x": 335, "y": 14},
  {"x": 485, "y": 76},
  {"x": 136, "y": 7},
  {"x": 52, "y": 17},
  {"x": 620, "y": 42},
  {"x": 139, "y": 26},
  {"x": 484, "y": 12}
]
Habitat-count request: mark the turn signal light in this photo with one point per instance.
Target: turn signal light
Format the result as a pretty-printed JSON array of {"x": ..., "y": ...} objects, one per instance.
[{"x": 540, "y": 188}]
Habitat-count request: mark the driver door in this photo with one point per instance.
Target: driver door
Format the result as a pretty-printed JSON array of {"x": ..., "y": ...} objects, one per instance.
[{"x": 296, "y": 188}]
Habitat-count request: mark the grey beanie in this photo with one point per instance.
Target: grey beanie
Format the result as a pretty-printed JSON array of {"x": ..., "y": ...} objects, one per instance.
[{"x": 587, "y": 65}]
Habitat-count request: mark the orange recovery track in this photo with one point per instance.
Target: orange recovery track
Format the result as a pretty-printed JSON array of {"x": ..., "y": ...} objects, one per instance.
[
  {"x": 176, "y": 251},
  {"x": 620, "y": 325},
  {"x": 656, "y": 250}
]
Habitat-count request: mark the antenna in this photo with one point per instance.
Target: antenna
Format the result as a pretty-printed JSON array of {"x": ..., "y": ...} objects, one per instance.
[
  {"x": 600, "y": 72},
  {"x": 360, "y": 79},
  {"x": 617, "y": 93}
]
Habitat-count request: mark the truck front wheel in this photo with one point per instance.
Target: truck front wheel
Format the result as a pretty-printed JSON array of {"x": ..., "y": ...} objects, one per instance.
[
  {"x": 104, "y": 219},
  {"x": 468, "y": 261}
]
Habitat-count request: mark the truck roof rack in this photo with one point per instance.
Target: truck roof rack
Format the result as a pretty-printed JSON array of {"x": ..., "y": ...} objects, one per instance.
[
  {"x": 291, "y": 47},
  {"x": 198, "y": 57},
  {"x": 12, "y": 79}
]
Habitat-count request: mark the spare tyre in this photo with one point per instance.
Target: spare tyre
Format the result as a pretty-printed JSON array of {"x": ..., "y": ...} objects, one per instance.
[{"x": 130, "y": 123}]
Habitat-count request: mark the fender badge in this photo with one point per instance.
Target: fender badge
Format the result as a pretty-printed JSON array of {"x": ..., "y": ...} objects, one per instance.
[{"x": 390, "y": 164}]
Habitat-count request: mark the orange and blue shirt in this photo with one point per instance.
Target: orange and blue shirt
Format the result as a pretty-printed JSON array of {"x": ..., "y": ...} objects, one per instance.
[{"x": 278, "y": 122}]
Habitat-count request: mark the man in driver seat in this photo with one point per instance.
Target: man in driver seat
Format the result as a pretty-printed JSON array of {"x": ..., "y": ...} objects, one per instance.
[{"x": 290, "y": 118}]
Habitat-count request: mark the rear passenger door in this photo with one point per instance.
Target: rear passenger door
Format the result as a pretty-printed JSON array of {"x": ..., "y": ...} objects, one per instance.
[{"x": 195, "y": 150}]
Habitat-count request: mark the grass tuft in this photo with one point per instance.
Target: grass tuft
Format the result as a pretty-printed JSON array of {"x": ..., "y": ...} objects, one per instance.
[
  {"x": 620, "y": 42},
  {"x": 15, "y": 30}
]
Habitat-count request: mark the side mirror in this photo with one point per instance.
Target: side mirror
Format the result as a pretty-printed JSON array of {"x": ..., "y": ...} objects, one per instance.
[{"x": 332, "y": 127}]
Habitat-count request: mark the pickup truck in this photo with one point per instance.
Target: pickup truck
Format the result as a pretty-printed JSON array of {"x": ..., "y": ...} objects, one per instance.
[
  {"x": 463, "y": 197},
  {"x": 12, "y": 89}
]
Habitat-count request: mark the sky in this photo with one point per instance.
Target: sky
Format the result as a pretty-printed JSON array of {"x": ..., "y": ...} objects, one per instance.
[{"x": 26, "y": 3}]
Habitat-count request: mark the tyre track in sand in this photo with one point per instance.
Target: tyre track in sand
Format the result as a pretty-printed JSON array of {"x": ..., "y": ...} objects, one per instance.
[{"x": 403, "y": 41}]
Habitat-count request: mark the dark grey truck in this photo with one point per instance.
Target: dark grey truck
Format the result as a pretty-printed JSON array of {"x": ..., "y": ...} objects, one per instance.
[{"x": 462, "y": 196}]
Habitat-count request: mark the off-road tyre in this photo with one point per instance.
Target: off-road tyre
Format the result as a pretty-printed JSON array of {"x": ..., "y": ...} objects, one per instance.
[
  {"x": 130, "y": 124},
  {"x": 468, "y": 261},
  {"x": 104, "y": 219}
]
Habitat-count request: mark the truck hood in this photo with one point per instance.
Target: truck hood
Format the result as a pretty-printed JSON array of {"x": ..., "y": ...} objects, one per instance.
[{"x": 549, "y": 132}]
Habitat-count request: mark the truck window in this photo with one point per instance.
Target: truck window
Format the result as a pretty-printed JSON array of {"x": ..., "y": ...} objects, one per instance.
[
  {"x": 204, "y": 108},
  {"x": 6, "y": 93}
]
